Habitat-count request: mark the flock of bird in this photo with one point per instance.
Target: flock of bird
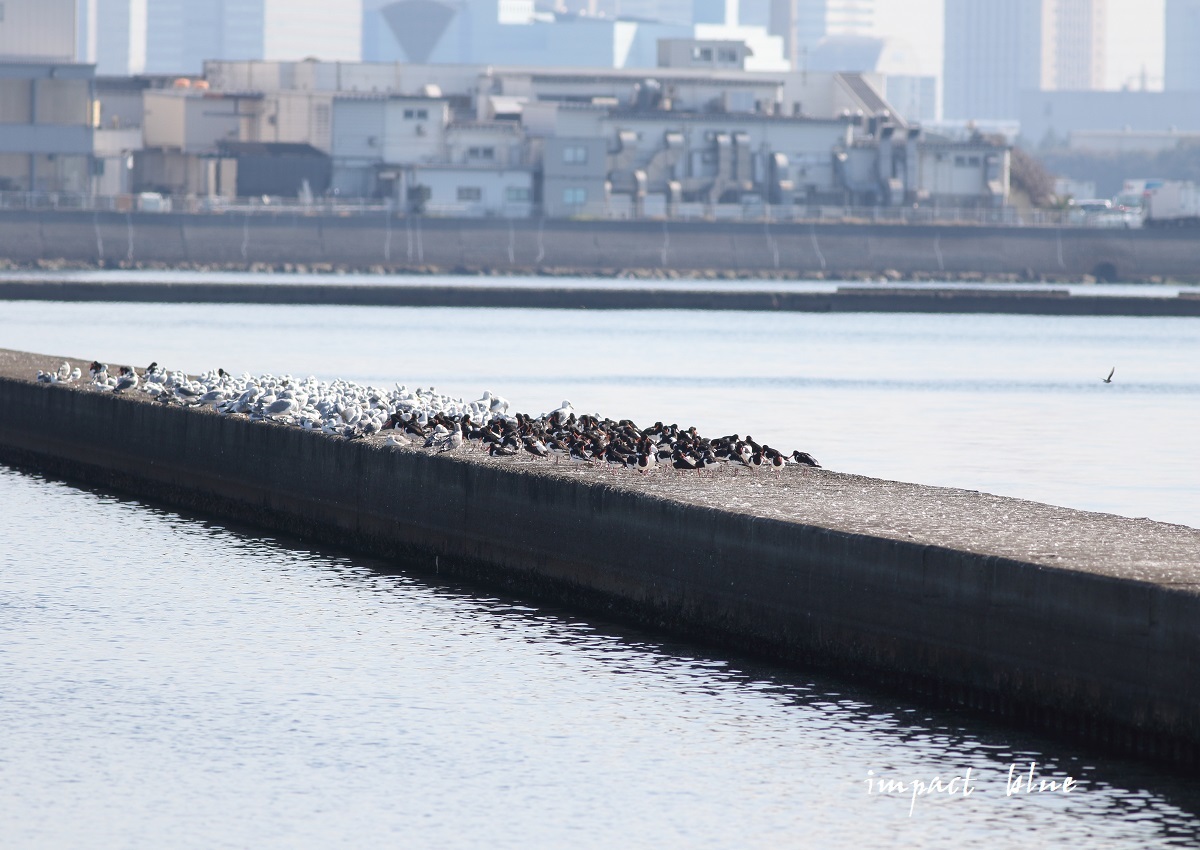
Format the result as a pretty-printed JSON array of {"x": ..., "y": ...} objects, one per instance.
[{"x": 420, "y": 417}]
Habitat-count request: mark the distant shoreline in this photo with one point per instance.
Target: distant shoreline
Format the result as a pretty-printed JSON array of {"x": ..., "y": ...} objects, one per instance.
[
  {"x": 41, "y": 267},
  {"x": 846, "y": 299}
]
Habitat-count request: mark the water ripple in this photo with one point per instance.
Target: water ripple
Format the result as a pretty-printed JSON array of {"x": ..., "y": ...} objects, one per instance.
[{"x": 169, "y": 681}]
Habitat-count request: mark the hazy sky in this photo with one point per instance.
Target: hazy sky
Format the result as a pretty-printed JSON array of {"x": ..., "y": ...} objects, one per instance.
[{"x": 1135, "y": 36}]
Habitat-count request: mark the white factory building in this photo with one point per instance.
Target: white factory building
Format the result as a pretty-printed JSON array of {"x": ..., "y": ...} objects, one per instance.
[{"x": 520, "y": 140}]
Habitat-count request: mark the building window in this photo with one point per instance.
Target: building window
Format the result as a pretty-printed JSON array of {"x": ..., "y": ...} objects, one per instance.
[
  {"x": 470, "y": 193},
  {"x": 960, "y": 162},
  {"x": 727, "y": 56},
  {"x": 973, "y": 162},
  {"x": 575, "y": 155},
  {"x": 409, "y": 114},
  {"x": 517, "y": 194},
  {"x": 574, "y": 196},
  {"x": 702, "y": 54},
  {"x": 481, "y": 153},
  {"x": 417, "y": 114}
]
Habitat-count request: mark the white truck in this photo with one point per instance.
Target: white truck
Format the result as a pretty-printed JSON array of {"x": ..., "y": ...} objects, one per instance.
[{"x": 1173, "y": 203}]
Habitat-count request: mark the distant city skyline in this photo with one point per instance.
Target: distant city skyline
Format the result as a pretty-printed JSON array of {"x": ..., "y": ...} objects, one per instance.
[
  {"x": 1133, "y": 55},
  {"x": 1134, "y": 37},
  {"x": 178, "y": 36}
]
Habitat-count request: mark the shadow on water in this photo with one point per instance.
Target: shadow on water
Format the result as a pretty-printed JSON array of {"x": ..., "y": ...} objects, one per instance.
[{"x": 948, "y": 740}]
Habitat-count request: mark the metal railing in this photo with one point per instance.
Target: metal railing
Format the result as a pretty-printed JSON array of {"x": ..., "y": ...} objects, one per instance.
[{"x": 154, "y": 202}]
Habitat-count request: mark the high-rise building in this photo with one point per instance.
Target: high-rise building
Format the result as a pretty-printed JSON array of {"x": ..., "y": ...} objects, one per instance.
[
  {"x": 183, "y": 34},
  {"x": 1077, "y": 28},
  {"x": 176, "y": 36},
  {"x": 849, "y": 17},
  {"x": 803, "y": 23},
  {"x": 992, "y": 52},
  {"x": 996, "y": 50},
  {"x": 1181, "y": 70},
  {"x": 114, "y": 36},
  {"x": 667, "y": 11},
  {"x": 781, "y": 21},
  {"x": 298, "y": 29},
  {"x": 511, "y": 32},
  {"x": 816, "y": 19}
]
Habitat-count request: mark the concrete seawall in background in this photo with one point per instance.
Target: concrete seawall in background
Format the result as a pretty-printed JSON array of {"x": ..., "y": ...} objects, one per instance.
[
  {"x": 1084, "y": 623},
  {"x": 590, "y": 247}
]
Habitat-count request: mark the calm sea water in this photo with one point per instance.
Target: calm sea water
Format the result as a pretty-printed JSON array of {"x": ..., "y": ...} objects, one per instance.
[
  {"x": 1005, "y": 404},
  {"x": 170, "y": 682},
  {"x": 166, "y": 681}
]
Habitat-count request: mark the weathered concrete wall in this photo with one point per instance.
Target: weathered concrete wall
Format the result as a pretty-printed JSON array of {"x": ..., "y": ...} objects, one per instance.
[
  {"x": 598, "y": 246},
  {"x": 1110, "y": 653}
]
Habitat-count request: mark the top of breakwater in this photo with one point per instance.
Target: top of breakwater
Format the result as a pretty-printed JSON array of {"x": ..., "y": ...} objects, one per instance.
[
  {"x": 997, "y": 527},
  {"x": 625, "y": 294}
]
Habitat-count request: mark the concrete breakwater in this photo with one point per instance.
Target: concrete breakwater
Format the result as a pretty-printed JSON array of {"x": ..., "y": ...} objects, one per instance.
[
  {"x": 847, "y": 300},
  {"x": 1082, "y": 622},
  {"x": 792, "y": 249}
]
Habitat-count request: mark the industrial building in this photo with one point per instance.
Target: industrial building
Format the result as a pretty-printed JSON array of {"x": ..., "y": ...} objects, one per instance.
[
  {"x": 491, "y": 140},
  {"x": 45, "y": 127},
  {"x": 912, "y": 92},
  {"x": 698, "y": 133},
  {"x": 45, "y": 100}
]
